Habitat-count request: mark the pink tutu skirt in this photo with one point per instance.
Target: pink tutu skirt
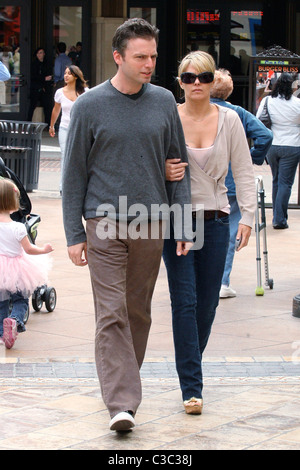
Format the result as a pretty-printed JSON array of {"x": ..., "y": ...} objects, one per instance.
[{"x": 23, "y": 274}]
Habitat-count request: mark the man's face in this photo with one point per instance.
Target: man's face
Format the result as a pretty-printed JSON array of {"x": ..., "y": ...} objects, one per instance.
[{"x": 139, "y": 60}]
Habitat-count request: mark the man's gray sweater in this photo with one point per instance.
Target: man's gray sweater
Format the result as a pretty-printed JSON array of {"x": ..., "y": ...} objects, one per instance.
[{"x": 117, "y": 146}]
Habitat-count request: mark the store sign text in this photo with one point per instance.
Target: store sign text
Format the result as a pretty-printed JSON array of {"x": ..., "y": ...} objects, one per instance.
[{"x": 269, "y": 68}]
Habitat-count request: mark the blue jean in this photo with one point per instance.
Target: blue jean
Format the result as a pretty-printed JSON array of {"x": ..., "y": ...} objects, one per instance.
[
  {"x": 19, "y": 308},
  {"x": 283, "y": 161},
  {"x": 234, "y": 218},
  {"x": 194, "y": 284}
]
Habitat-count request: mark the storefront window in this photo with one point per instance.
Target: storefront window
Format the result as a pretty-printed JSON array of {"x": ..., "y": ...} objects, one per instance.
[
  {"x": 148, "y": 14},
  {"x": 246, "y": 39},
  {"x": 67, "y": 28},
  {"x": 10, "y": 56},
  {"x": 203, "y": 32}
]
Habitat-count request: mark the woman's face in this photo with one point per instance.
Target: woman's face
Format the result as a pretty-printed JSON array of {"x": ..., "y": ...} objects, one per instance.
[
  {"x": 69, "y": 77},
  {"x": 40, "y": 55},
  {"x": 196, "y": 91}
]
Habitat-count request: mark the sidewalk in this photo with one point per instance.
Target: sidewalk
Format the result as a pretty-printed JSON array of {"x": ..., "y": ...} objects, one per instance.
[{"x": 49, "y": 391}]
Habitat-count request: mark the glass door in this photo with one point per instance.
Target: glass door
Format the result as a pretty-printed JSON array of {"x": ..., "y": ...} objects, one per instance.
[
  {"x": 246, "y": 40},
  {"x": 69, "y": 22},
  {"x": 15, "y": 55},
  {"x": 231, "y": 33}
]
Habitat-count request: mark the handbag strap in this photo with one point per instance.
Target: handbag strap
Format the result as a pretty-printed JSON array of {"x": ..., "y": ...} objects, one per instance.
[{"x": 267, "y": 103}]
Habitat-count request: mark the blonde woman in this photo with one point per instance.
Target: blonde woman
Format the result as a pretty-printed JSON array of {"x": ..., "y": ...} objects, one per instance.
[{"x": 214, "y": 137}]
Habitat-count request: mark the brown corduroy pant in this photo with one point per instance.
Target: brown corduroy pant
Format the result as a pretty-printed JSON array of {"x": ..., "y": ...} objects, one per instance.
[{"x": 123, "y": 274}]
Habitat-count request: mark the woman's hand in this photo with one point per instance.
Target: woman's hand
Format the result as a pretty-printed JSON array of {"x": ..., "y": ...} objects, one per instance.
[
  {"x": 175, "y": 169},
  {"x": 55, "y": 113},
  {"x": 183, "y": 248},
  {"x": 243, "y": 234}
]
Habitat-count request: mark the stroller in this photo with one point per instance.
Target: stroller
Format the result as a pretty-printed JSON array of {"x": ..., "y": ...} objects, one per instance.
[{"x": 31, "y": 221}]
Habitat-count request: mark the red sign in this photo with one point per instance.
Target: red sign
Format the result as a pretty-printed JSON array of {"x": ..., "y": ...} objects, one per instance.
[
  {"x": 250, "y": 14},
  {"x": 202, "y": 17},
  {"x": 211, "y": 17}
]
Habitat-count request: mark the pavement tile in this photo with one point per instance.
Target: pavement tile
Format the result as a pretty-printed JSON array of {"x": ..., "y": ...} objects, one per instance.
[
  {"x": 38, "y": 441},
  {"x": 292, "y": 436}
]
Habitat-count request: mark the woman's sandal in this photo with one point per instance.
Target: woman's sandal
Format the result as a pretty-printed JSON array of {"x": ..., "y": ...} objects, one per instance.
[{"x": 193, "y": 406}]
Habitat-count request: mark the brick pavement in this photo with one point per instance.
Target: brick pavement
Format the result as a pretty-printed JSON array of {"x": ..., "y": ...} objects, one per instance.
[{"x": 86, "y": 369}]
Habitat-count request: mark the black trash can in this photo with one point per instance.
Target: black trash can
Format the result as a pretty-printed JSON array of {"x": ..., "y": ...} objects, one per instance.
[
  {"x": 27, "y": 135},
  {"x": 16, "y": 159}
]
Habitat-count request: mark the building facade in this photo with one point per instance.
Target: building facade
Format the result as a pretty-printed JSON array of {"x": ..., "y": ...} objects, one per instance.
[{"x": 232, "y": 31}]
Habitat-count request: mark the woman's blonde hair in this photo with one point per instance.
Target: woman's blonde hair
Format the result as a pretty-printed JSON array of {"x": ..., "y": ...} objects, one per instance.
[
  {"x": 199, "y": 60},
  {"x": 9, "y": 196},
  {"x": 223, "y": 85}
]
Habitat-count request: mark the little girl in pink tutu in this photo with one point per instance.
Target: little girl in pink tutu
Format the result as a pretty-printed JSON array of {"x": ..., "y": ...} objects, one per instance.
[{"x": 20, "y": 273}]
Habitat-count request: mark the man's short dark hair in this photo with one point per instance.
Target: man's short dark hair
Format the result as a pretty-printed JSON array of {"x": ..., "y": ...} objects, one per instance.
[
  {"x": 132, "y": 29},
  {"x": 61, "y": 47}
]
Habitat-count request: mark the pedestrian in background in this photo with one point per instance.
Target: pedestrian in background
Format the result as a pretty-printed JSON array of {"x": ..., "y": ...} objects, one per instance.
[
  {"x": 64, "y": 100},
  {"x": 284, "y": 154},
  {"x": 40, "y": 85},
  {"x": 4, "y": 72},
  {"x": 262, "y": 140},
  {"x": 60, "y": 64}
]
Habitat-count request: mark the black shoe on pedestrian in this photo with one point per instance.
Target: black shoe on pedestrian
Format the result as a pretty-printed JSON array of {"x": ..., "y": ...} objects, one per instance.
[{"x": 280, "y": 227}]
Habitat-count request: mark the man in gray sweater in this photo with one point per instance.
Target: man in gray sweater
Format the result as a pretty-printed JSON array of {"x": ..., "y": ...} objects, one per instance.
[{"x": 120, "y": 135}]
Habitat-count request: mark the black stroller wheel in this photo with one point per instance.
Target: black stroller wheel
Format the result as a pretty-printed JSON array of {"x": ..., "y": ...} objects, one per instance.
[
  {"x": 50, "y": 299},
  {"x": 37, "y": 301}
]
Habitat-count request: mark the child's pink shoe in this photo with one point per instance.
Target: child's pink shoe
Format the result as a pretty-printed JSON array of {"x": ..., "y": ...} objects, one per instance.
[{"x": 9, "y": 332}]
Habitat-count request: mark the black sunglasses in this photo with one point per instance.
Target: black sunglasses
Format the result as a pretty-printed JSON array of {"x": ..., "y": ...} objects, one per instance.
[{"x": 188, "y": 78}]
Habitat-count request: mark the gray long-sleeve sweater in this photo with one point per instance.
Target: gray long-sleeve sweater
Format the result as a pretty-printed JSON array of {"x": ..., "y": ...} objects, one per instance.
[{"x": 116, "y": 147}]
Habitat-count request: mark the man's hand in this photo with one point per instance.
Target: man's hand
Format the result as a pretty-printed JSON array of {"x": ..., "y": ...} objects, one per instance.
[
  {"x": 183, "y": 248},
  {"x": 175, "y": 169},
  {"x": 78, "y": 254}
]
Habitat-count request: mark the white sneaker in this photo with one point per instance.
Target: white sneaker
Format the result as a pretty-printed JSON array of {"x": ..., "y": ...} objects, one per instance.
[
  {"x": 227, "y": 291},
  {"x": 123, "y": 421}
]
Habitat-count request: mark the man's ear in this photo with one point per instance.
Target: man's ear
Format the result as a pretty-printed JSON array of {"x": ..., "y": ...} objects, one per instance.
[{"x": 117, "y": 57}]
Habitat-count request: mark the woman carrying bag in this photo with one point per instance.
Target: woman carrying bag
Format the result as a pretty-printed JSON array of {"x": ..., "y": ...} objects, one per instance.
[{"x": 284, "y": 154}]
